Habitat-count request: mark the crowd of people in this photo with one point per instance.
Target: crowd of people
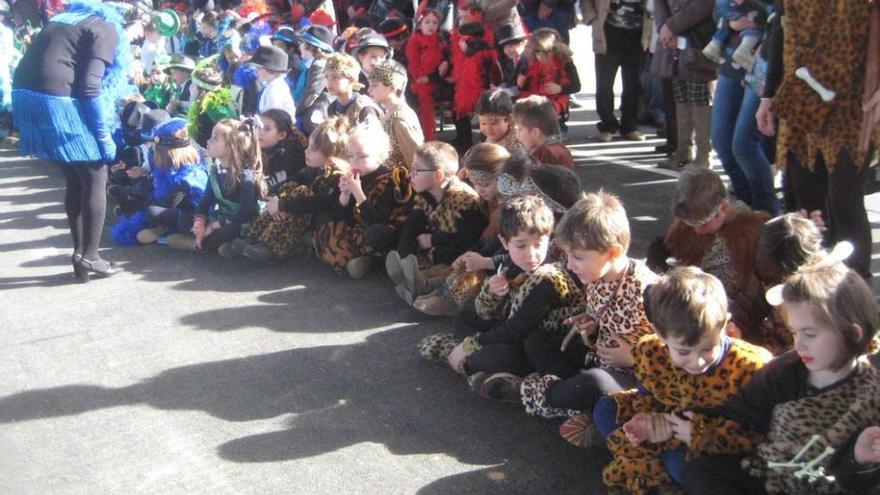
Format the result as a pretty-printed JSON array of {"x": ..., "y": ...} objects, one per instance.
[{"x": 739, "y": 357}]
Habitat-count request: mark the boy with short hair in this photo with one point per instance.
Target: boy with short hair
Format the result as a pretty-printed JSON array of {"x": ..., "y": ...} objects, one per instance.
[
  {"x": 495, "y": 112},
  {"x": 400, "y": 122},
  {"x": 342, "y": 72},
  {"x": 575, "y": 370},
  {"x": 526, "y": 296},
  {"x": 689, "y": 364},
  {"x": 711, "y": 232},
  {"x": 448, "y": 222},
  {"x": 537, "y": 127}
]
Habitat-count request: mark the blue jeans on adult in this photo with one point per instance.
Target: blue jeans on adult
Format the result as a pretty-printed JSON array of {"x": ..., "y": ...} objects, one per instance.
[
  {"x": 605, "y": 420},
  {"x": 737, "y": 141}
]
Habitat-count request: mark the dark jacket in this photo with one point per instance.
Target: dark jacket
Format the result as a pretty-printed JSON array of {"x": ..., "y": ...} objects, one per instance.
[{"x": 681, "y": 16}]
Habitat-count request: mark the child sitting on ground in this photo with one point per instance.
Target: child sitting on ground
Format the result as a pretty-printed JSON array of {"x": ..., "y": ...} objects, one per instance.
[
  {"x": 374, "y": 200},
  {"x": 387, "y": 84},
  {"x": 710, "y": 232},
  {"x": 550, "y": 72},
  {"x": 482, "y": 166},
  {"x": 808, "y": 421},
  {"x": 537, "y": 127},
  {"x": 302, "y": 203},
  {"x": 427, "y": 53},
  {"x": 230, "y": 202},
  {"x": 446, "y": 224},
  {"x": 283, "y": 148},
  {"x": 689, "y": 364},
  {"x": 342, "y": 73},
  {"x": 495, "y": 111},
  {"x": 211, "y": 103},
  {"x": 594, "y": 359},
  {"x": 525, "y": 296}
]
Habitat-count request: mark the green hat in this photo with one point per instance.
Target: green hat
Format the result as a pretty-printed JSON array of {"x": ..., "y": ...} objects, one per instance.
[
  {"x": 181, "y": 62},
  {"x": 167, "y": 22}
]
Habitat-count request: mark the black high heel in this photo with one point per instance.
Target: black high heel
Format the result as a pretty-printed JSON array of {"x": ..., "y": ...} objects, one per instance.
[
  {"x": 81, "y": 275},
  {"x": 100, "y": 267}
]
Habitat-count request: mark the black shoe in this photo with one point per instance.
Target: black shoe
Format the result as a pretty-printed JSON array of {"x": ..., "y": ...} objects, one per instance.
[
  {"x": 261, "y": 252},
  {"x": 232, "y": 249},
  {"x": 99, "y": 266},
  {"x": 665, "y": 149},
  {"x": 81, "y": 274}
]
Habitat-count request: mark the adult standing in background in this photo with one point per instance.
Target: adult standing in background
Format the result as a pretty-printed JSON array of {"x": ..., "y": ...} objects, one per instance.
[
  {"x": 555, "y": 14},
  {"x": 63, "y": 99}
]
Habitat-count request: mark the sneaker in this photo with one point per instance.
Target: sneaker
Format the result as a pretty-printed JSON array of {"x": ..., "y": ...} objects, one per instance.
[
  {"x": 260, "y": 252},
  {"x": 413, "y": 278},
  {"x": 633, "y": 136},
  {"x": 395, "y": 271},
  {"x": 232, "y": 249},
  {"x": 605, "y": 137},
  {"x": 436, "y": 304},
  {"x": 183, "y": 242},
  {"x": 503, "y": 387},
  {"x": 358, "y": 267},
  {"x": 149, "y": 236}
]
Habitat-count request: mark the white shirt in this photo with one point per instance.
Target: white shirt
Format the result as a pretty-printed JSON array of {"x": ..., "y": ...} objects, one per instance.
[{"x": 277, "y": 94}]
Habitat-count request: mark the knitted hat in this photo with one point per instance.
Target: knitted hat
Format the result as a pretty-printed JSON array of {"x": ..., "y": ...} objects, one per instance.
[
  {"x": 166, "y": 134},
  {"x": 207, "y": 78}
]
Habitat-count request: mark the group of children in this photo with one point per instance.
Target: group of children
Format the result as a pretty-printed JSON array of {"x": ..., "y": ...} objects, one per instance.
[{"x": 669, "y": 363}]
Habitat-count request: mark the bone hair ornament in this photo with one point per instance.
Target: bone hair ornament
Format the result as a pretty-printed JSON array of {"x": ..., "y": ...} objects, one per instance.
[
  {"x": 841, "y": 251},
  {"x": 807, "y": 469},
  {"x": 804, "y": 74}
]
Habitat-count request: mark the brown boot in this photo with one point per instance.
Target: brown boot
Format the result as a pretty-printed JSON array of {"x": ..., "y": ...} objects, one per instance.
[{"x": 684, "y": 128}]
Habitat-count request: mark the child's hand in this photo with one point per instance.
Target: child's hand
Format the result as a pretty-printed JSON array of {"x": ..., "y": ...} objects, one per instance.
[
  {"x": 456, "y": 357},
  {"x": 551, "y": 88},
  {"x": 472, "y": 261},
  {"x": 732, "y": 330},
  {"x": 272, "y": 206},
  {"x": 647, "y": 427},
  {"x": 215, "y": 225},
  {"x": 117, "y": 166},
  {"x": 667, "y": 37},
  {"x": 135, "y": 172},
  {"x": 424, "y": 241},
  {"x": 766, "y": 118},
  {"x": 355, "y": 188},
  {"x": 867, "y": 449},
  {"x": 443, "y": 69},
  {"x": 499, "y": 285},
  {"x": 741, "y": 24},
  {"x": 583, "y": 324},
  {"x": 620, "y": 355},
  {"x": 681, "y": 428},
  {"x": 520, "y": 81},
  {"x": 659, "y": 429},
  {"x": 815, "y": 216}
]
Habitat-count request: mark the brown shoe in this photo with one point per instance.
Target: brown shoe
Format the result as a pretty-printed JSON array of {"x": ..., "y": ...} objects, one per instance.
[
  {"x": 605, "y": 137},
  {"x": 634, "y": 136},
  {"x": 436, "y": 304},
  {"x": 149, "y": 236}
]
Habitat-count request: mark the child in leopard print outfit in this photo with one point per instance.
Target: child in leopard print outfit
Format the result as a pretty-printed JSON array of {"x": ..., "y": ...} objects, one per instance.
[
  {"x": 808, "y": 421},
  {"x": 711, "y": 232},
  {"x": 689, "y": 364},
  {"x": 610, "y": 316}
]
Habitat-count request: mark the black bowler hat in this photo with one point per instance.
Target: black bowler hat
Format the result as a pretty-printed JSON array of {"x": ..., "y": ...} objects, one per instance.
[
  {"x": 371, "y": 39},
  {"x": 393, "y": 28},
  {"x": 151, "y": 121},
  {"x": 509, "y": 33},
  {"x": 317, "y": 36},
  {"x": 270, "y": 58}
]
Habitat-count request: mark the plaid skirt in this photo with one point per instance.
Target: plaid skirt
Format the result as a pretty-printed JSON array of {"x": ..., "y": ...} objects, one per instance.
[{"x": 695, "y": 93}]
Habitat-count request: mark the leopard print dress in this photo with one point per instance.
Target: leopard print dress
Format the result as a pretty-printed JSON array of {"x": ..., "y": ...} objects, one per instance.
[
  {"x": 638, "y": 468},
  {"x": 830, "y": 39}
]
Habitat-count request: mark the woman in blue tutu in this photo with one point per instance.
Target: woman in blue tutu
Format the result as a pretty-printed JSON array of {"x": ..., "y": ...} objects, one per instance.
[{"x": 63, "y": 99}]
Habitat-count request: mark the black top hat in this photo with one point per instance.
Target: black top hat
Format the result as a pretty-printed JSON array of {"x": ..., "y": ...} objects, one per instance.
[
  {"x": 151, "y": 121},
  {"x": 509, "y": 33},
  {"x": 372, "y": 39},
  {"x": 270, "y": 58},
  {"x": 321, "y": 37},
  {"x": 475, "y": 29},
  {"x": 393, "y": 28},
  {"x": 133, "y": 115}
]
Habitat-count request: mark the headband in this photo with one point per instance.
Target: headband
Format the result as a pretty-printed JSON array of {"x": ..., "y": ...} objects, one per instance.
[
  {"x": 841, "y": 251},
  {"x": 508, "y": 186}
]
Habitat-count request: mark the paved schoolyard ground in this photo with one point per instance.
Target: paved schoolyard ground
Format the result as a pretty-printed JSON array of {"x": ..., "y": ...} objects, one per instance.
[{"x": 191, "y": 374}]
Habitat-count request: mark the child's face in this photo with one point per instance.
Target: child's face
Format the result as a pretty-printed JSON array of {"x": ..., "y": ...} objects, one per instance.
[
  {"x": 180, "y": 76},
  {"x": 264, "y": 75},
  {"x": 208, "y": 30},
  {"x": 269, "y": 135},
  {"x": 218, "y": 146},
  {"x": 152, "y": 36},
  {"x": 314, "y": 158},
  {"x": 817, "y": 344},
  {"x": 494, "y": 127},
  {"x": 306, "y": 52},
  {"x": 369, "y": 56},
  {"x": 589, "y": 265},
  {"x": 527, "y": 251},
  {"x": 713, "y": 223},
  {"x": 157, "y": 76},
  {"x": 529, "y": 137},
  {"x": 423, "y": 176},
  {"x": 429, "y": 25},
  {"x": 487, "y": 188},
  {"x": 362, "y": 161},
  {"x": 338, "y": 84},
  {"x": 380, "y": 92},
  {"x": 514, "y": 49},
  {"x": 695, "y": 359}
]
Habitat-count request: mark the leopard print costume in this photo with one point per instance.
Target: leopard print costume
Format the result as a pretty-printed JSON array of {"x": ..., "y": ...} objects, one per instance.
[
  {"x": 510, "y": 142},
  {"x": 831, "y": 41},
  {"x": 339, "y": 241},
  {"x": 458, "y": 199},
  {"x": 637, "y": 468},
  {"x": 402, "y": 121},
  {"x": 623, "y": 316},
  {"x": 835, "y": 415},
  {"x": 285, "y": 236}
]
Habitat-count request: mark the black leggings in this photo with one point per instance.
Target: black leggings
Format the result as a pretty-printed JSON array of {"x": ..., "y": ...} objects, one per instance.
[
  {"x": 85, "y": 202},
  {"x": 227, "y": 233},
  {"x": 582, "y": 391}
]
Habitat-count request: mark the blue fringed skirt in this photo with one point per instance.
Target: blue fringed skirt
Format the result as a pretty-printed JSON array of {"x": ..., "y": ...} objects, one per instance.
[{"x": 52, "y": 128}]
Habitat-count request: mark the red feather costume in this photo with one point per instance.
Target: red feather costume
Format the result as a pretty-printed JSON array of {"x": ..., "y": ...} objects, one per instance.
[
  {"x": 538, "y": 74},
  {"x": 474, "y": 71},
  {"x": 424, "y": 54}
]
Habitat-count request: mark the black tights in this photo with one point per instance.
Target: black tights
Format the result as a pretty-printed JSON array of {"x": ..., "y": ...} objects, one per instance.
[{"x": 85, "y": 202}]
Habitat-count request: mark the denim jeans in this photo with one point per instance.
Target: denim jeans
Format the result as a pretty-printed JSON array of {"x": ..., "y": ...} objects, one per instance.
[{"x": 736, "y": 140}]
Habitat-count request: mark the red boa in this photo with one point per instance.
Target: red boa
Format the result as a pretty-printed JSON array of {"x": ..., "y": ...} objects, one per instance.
[{"x": 539, "y": 74}]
